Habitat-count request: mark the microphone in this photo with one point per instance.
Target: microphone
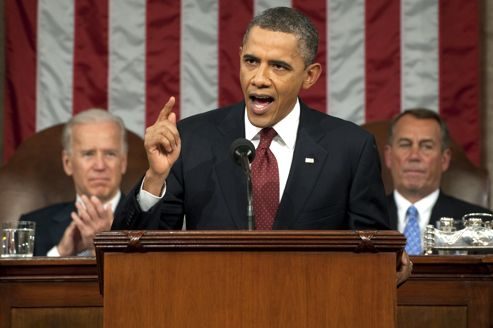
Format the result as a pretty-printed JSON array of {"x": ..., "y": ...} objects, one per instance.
[{"x": 243, "y": 153}]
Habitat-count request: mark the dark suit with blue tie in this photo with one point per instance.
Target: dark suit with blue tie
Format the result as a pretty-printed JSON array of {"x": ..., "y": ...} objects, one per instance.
[{"x": 445, "y": 206}]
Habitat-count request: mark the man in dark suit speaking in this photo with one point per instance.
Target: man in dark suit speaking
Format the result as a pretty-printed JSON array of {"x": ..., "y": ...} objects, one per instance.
[
  {"x": 311, "y": 170},
  {"x": 95, "y": 156},
  {"x": 417, "y": 154}
]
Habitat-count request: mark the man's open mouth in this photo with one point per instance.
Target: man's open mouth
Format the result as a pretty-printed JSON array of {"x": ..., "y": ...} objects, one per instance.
[{"x": 260, "y": 103}]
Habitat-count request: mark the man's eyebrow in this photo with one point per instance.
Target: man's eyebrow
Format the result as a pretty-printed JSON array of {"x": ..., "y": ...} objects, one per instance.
[
  {"x": 426, "y": 141},
  {"x": 280, "y": 63},
  {"x": 419, "y": 141},
  {"x": 271, "y": 62},
  {"x": 248, "y": 56}
]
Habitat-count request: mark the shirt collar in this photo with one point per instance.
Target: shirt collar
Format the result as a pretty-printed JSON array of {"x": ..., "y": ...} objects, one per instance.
[
  {"x": 113, "y": 201},
  {"x": 423, "y": 205},
  {"x": 284, "y": 127}
]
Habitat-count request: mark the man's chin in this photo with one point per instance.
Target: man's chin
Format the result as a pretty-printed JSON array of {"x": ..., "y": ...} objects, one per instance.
[
  {"x": 102, "y": 195},
  {"x": 259, "y": 123},
  {"x": 413, "y": 186}
]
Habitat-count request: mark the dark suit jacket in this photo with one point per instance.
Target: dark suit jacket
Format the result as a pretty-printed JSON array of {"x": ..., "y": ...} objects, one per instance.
[
  {"x": 445, "y": 206},
  {"x": 342, "y": 189},
  {"x": 51, "y": 223}
]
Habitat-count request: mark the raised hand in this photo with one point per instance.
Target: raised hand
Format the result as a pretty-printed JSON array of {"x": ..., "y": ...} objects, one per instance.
[
  {"x": 71, "y": 238},
  {"x": 162, "y": 144},
  {"x": 91, "y": 217}
]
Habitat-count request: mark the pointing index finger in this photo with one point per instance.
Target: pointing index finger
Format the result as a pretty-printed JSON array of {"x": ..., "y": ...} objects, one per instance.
[{"x": 166, "y": 110}]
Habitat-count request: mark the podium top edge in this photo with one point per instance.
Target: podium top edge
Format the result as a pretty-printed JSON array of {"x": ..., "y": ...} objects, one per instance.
[
  {"x": 394, "y": 233},
  {"x": 360, "y": 240}
]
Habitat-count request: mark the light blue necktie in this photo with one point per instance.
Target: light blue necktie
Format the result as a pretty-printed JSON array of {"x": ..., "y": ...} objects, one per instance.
[{"x": 412, "y": 232}]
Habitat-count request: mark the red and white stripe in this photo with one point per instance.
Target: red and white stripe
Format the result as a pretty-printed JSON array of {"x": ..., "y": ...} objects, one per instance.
[{"x": 129, "y": 56}]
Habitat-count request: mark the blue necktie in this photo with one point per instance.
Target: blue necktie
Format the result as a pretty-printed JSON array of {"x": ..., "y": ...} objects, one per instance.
[{"x": 412, "y": 232}]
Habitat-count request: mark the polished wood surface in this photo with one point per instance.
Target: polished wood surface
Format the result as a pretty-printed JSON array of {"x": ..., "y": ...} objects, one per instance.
[
  {"x": 249, "y": 279},
  {"x": 249, "y": 289},
  {"x": 444, "y": 291},
  {"x": 44, "y": 292},
  {"x": 448, "y": 291}
]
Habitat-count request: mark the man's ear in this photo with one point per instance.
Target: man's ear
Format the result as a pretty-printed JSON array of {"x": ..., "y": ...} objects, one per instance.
[
  {"x": 446, "y": 157},
  {"x": 67, "y": 163},
  {"x": 124, "y": 164},
  {"x": 312, "y": 73},
  {"x": 387, "y": 156}
]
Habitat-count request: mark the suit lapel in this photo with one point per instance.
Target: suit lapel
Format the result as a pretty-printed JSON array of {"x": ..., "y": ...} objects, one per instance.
[
  {"x": 303, "y": 174},
  {"x": 120, "y": 202},
  {"x": 231, "y": 178},
  {"x": 437, "y": 210}
]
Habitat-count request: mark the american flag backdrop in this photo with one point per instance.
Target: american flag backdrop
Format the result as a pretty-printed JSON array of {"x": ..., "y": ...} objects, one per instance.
[{"x": 379, "y": 57}]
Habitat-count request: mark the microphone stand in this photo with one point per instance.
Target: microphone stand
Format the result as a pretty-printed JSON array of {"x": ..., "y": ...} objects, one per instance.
[{"x": 250, "y": 215}]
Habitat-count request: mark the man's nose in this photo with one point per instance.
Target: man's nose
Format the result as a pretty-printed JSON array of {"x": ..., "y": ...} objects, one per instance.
[
  {"x": 100, "y": 161},
  {"x": 415, "y": 153},
  {"x": 261, "y": 77}
]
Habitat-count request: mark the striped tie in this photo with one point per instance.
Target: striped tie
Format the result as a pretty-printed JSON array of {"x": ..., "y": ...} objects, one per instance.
[{"x": 412, "y": 232}]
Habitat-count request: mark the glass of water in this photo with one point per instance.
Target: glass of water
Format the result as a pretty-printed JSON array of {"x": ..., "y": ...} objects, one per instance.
[{"x": 18, "y": 239}]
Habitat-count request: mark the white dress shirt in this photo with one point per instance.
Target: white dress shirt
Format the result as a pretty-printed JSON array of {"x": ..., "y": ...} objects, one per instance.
[
  {"x": 282, "y": 145},
  {"x": 53, "y": 252}
]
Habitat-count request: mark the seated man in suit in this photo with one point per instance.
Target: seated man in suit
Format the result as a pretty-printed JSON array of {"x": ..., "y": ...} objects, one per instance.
[
  {"x": 311, "y": 170},
  {"x": 95, "y": 156},
  {"x": 417, "y": 154}
]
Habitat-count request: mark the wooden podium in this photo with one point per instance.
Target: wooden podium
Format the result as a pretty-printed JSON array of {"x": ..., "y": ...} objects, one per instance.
[{"x": 249, "y": 279}]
